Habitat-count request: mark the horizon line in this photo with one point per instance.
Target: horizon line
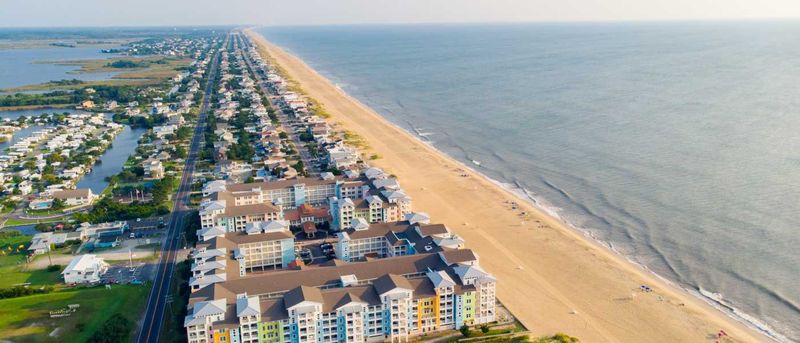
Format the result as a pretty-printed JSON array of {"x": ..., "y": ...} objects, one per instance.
[{"x": 511, "y": 22}]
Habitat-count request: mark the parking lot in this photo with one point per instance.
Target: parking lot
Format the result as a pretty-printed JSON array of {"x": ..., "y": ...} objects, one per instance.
[
  {"x": 123, "y": 274},
  {"x": 317, "y": 251}
]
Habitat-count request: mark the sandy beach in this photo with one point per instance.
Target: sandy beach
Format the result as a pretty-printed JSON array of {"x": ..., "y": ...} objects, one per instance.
[{"x": 553, "y": 278}]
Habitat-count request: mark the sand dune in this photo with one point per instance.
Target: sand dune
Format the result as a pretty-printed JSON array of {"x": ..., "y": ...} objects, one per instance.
[{"x": 551, "y": 277}]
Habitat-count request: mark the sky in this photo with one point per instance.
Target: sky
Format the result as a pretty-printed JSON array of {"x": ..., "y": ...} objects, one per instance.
[{"x": 60, "y": 13}]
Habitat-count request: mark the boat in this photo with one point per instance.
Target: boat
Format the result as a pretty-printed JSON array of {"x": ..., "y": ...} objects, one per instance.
[{"x": 476, "y": 163}]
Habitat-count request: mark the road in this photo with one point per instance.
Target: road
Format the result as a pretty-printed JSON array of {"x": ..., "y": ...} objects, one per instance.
[
  {"x": 156, "y": 304},
  {"x": 305, "y": 155}
]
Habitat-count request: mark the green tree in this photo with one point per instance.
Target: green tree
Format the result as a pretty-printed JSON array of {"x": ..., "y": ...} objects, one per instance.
[
  {"x": 180, "y": 151},
  {"x": 115, "y": 329}
]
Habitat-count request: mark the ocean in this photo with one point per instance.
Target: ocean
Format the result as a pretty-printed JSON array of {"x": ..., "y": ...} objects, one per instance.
[{"x": 674, "y": 143}]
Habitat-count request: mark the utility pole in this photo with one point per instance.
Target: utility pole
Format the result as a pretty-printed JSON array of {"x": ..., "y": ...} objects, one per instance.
[{"x": 50, "y": 259}]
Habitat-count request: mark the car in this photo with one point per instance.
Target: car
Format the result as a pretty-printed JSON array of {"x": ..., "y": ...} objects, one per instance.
[{"x": 138, "y": 219}]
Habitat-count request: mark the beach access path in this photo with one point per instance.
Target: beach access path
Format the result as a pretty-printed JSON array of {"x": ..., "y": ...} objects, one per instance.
[{"x": 553, "y": 278}]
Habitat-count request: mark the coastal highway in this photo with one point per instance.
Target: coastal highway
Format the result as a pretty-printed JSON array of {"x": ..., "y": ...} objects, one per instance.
[{"x": 156, "y": 304}]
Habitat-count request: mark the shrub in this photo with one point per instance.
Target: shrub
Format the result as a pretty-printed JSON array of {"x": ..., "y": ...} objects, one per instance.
[
  {"x": 464, "y": 330},
  {"x": 558, "y": 338},
  {"x": 115, "y": 329}
]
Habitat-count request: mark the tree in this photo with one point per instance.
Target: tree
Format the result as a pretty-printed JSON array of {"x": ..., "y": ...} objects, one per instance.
[
  {"x": 115, "y": 329},
  {"x": 180, "y": 151},
  {"x": 58, "y": 204},
  {"x": 184, "y": 133}
]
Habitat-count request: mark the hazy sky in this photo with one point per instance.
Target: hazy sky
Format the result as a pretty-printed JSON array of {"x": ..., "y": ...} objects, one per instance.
[{"x": 297, "y": 12}]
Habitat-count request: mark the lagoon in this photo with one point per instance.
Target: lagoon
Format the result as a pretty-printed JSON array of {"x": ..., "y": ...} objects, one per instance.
[{"x": 22, "y": 67}]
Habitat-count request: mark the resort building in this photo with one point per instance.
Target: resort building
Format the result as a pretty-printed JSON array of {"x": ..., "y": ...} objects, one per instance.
[
  {"x": 289, "y": 193},
  {"x": 375, "y": 197},
  {"x": 225, "y": 211},
  {"x": 84, "y": 269},
  {"x": 261, "y": 246},
  {"x": 391, "y": 299}
]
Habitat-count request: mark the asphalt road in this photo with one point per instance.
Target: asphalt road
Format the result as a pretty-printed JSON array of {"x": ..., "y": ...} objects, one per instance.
[{"x": 156, "y": 304}]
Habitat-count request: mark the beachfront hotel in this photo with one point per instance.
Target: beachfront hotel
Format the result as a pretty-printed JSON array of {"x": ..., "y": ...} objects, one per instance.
[
  {"x": 373, "y": 196},
  {"x": 382, "y": 299},
  {"x": 262, "y": 246}
]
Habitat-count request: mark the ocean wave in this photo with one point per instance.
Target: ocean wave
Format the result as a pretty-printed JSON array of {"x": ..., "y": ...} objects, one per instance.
[{"x": 556, "y": 212}]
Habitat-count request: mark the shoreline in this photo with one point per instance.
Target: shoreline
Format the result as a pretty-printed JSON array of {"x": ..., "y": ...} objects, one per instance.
[{"x": 571, "y": 302}]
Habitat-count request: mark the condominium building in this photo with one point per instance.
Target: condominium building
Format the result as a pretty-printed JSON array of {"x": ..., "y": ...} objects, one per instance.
[
  {"x": 261, "y": 246},
  {"x": 379, "y": 199},
  {"x": 392, "y": 299},
  {"x": 381, "y": 240},
  {"x": 374, "y": 196},
  {"x": 222, "y": 210},
  {"x": 288, "y": 193}
]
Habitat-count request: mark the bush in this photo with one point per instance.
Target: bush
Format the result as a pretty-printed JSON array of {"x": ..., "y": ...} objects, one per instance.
[
  {"x": 485, "y": 328},
  {"x": 115, "y": 329},
  {"x": 54, "y": 268},
  {"x": 19, "y": 291},
  {"x": 464, "y": 330},
  {"x": 558, "y": 338}
]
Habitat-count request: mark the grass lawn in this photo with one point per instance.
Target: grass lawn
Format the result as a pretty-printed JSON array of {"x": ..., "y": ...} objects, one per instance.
[
  {"x": 26, "y": 319},
  {"x": 46, "y": 212},
  {"x": 172, "y": 328},
  {"x": 17, "y": 222},
  {"x": 13, "y": 267}
]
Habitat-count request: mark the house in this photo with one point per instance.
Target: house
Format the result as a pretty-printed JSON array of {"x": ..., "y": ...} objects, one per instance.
[
  {"x": 87, "y": 104},
  {"x": 161, "y": 131},
  {"x": 25, "y": 187},
  {"x": 41, "y": 242},
  {"x": 153, "y": 169},
  {"x": 84, "y": 269},
  {"x": 75, "y": 197}
]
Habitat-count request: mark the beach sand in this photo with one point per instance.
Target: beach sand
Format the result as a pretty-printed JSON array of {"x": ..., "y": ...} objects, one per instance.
[{"x": 551, "y": 277}]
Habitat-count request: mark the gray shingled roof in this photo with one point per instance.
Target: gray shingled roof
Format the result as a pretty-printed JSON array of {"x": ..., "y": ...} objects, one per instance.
[
  {"x": 389, "y": 282},
  {"x": 301, "y": 294}
]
